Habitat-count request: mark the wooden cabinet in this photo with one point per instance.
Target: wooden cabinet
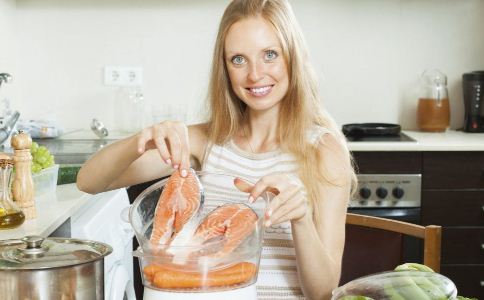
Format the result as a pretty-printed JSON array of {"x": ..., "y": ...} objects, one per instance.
[{"x": 453, "y": 197}]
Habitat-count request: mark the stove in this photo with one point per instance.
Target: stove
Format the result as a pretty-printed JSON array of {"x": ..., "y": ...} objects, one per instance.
[{"x": 400, "y": 137}]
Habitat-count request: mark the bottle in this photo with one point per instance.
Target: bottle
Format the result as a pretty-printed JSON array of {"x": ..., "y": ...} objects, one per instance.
[
  {"x": 10, "y": 215},
  {"x": 23, "y": 184},
  {"x": 433, "y": 110}
]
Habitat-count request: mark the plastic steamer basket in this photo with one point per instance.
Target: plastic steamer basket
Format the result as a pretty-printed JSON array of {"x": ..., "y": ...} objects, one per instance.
[{"x": 218, "y": 189}]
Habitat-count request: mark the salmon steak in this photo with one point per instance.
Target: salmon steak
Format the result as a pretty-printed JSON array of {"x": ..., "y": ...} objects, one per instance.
[
  {"x": 179, "y": 201},
  {"x": 232, "y": 222}
]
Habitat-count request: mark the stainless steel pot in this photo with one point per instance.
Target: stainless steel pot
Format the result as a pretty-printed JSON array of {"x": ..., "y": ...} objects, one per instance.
[{"x": 37, "y": 268}]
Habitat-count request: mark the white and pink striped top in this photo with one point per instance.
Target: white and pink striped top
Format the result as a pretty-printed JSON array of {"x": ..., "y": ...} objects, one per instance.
[{"x": 277, "y": 277}]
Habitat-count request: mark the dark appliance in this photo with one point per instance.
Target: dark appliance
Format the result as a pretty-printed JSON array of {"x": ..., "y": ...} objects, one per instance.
[{"x": 473, "y": 89}]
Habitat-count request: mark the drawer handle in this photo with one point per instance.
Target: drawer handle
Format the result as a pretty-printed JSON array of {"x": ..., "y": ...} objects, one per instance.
[{"x": 482, "y": 283}]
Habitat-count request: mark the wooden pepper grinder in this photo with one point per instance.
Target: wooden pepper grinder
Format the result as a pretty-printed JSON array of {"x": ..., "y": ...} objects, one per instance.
[{"x": 23, "y": 185}]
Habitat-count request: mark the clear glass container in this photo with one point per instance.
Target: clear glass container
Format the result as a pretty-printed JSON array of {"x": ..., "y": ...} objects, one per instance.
[
  {"x": 433, "y": 110},
  {"x": 10, "y": 214},
  {"x": 399, "y": 285},
  {"x": 190, "y": 266}
]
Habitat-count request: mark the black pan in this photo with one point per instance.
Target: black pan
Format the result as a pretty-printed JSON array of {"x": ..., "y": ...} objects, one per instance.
[{"x": 370, "y": 129}]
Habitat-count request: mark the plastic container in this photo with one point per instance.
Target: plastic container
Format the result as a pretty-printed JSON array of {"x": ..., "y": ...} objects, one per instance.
[
  {"x": 399, "y": 285},
  {"x": 192, "y": 267},
  {"x": 46, "y": 180}
]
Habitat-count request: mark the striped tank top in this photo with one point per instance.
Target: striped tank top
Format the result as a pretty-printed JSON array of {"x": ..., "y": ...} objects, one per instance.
[{"x": 277, "y": 277}]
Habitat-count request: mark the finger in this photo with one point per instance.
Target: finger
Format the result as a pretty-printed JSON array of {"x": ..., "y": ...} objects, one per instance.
[
  {"x": 274, "y": 183},
  {"x": 287, "y": 211},
  {"x": 163, "y": 149},
  {"x": 143, "y": 137},
  {"x": 243, "y": 185},
  {"x": 287, "y": 196},
  {"x": 294, "y": 214},
  {"x": 182, "y": 131},
  {"x": 174, "y": 148}
]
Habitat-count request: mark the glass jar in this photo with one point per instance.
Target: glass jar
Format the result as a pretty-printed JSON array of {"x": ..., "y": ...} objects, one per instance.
[
  {"x": 433, "y": 110},
  {"x": 10, "y": 214}
]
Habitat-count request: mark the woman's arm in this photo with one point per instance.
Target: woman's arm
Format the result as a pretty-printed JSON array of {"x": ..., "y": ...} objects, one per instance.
[
  {"x": 145, "y": 156},
  {"x": 319, "y": 248}
]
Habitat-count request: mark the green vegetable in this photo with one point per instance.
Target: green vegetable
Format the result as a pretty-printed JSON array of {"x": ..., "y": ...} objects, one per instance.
[
  {"x": 355, "y": 298},
  {"x": 413, "y": 267}
]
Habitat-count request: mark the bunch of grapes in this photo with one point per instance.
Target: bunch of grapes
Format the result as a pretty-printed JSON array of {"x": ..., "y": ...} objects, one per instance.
[{"x": 41, "y": 158}]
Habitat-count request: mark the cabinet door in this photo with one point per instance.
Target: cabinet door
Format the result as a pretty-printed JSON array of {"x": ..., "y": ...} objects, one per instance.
[
  {"x": 468, "y": 279},
  {"x": 388, "y": 162},
  {"x": 453, "y": 170},
  {"x": 463, "y": 245},
  {"x": 453, "y": 208}
]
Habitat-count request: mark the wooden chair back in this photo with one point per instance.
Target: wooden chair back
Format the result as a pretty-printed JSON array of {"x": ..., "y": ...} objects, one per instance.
[{"x": 375, "y": 245}]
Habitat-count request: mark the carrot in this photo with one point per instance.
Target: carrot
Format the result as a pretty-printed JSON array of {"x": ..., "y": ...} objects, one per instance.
[{"x": 172, "y": 279}]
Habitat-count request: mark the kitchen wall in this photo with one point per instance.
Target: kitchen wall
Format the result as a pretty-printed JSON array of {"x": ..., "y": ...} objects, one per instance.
[
  {"x": 7, "y": 39},
  {"x": 368, "y": 54}
]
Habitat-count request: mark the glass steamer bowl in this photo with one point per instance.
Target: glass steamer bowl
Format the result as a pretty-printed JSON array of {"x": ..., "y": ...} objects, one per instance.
[
  {"x": 185, "y": 269},
  {"x": 398, "y": 285}
]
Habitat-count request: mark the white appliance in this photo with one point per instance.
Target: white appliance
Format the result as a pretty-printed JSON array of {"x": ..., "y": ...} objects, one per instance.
[
  {"x": 100, "y": 220},
  {"x": 245, "y": 293}
]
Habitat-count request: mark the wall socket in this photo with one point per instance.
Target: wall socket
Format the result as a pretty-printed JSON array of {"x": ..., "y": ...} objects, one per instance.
[{"x": 123, "y": 76}]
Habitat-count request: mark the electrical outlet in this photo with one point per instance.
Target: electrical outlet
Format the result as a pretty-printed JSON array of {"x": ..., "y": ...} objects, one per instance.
[{"x": 123, "y": 76}]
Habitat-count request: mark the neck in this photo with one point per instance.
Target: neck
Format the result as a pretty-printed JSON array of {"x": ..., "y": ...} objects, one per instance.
[{"x": 260, "y": 131}]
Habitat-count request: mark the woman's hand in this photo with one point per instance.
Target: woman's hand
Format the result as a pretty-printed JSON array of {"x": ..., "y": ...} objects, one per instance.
[
  {"x": 290, "y": 202},
  {"x": 170, "y": 138}
]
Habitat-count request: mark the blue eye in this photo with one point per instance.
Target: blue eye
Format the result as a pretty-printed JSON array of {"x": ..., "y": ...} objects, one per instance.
[
  {"x": 270, "y": 55},
  {"x": 238, "y": 60}
]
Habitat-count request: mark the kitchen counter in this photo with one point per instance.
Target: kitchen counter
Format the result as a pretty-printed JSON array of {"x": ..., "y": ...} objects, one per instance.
[
  {"x": 450, "y": 140},
  {"x": 53, "y": 209}
]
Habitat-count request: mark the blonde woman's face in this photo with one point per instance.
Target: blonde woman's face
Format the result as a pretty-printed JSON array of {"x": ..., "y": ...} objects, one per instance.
[{"x": 256, "y": 67}]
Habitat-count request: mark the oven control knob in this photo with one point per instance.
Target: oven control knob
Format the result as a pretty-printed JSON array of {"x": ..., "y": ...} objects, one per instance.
[
  {"x": 365, "y": 193},
  {"x": 381, "y": 192},
  {"x": 398, "y": 193}
]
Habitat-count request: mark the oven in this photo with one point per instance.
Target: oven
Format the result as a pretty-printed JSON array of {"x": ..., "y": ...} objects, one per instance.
[
  {"x": 392, "y": 196},
  {"x": 389, "y": 182}
]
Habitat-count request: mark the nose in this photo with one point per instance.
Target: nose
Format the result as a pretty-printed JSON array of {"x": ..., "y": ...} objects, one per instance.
[{"x": 256, "y": 72}]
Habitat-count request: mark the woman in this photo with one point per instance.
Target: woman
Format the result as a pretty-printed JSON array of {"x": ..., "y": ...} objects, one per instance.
[{"x": 265, "y": 124}]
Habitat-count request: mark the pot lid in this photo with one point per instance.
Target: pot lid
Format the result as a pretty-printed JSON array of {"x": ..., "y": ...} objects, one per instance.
[{"x": 35, "y": 252}]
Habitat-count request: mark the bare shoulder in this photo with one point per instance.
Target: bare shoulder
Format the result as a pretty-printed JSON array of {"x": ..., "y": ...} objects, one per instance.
[
  {"x": 198, "y": 136},
  {"x": 335, "y": 158}
]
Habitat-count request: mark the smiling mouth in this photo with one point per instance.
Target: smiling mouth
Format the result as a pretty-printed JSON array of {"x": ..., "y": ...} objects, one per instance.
[{"x": 260, "y": 91}]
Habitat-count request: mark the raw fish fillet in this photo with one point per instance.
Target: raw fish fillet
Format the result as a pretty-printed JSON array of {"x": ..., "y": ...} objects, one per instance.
[{"x": 179, "y": 201}]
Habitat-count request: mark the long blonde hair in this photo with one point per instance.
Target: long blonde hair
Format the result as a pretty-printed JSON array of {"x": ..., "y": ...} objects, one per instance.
[{"x": 300, "y": 110}]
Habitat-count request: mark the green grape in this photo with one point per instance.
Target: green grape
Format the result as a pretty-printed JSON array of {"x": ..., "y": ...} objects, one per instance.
[
  {"x": 36, "y": 168},
  {"x": 41, "y": 150},
  {"x": 34, "y": 147},
  {"x": 41, "y": 159}
]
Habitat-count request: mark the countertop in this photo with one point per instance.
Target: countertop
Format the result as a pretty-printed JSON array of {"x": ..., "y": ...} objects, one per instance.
[
  {"x": 450, "y": 140},
  {"x": 53, "y": 209},
  {"x": 76, "y": 147}
]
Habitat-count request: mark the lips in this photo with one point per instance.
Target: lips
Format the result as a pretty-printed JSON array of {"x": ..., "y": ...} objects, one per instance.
[{"x": 260, "y": 91}]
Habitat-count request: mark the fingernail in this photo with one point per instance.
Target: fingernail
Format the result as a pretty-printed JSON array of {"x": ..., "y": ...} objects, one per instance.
[
  {"x": 184, "y": 173},
  {"x": 175, "y": 166},
  {"x": 267, "y": 223},
  {"x": 251, "y": 199},
  {"x": 269, "y": 213},
  {"x": 168, "y": 161},
  {"x": 140, "y": 150}
]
